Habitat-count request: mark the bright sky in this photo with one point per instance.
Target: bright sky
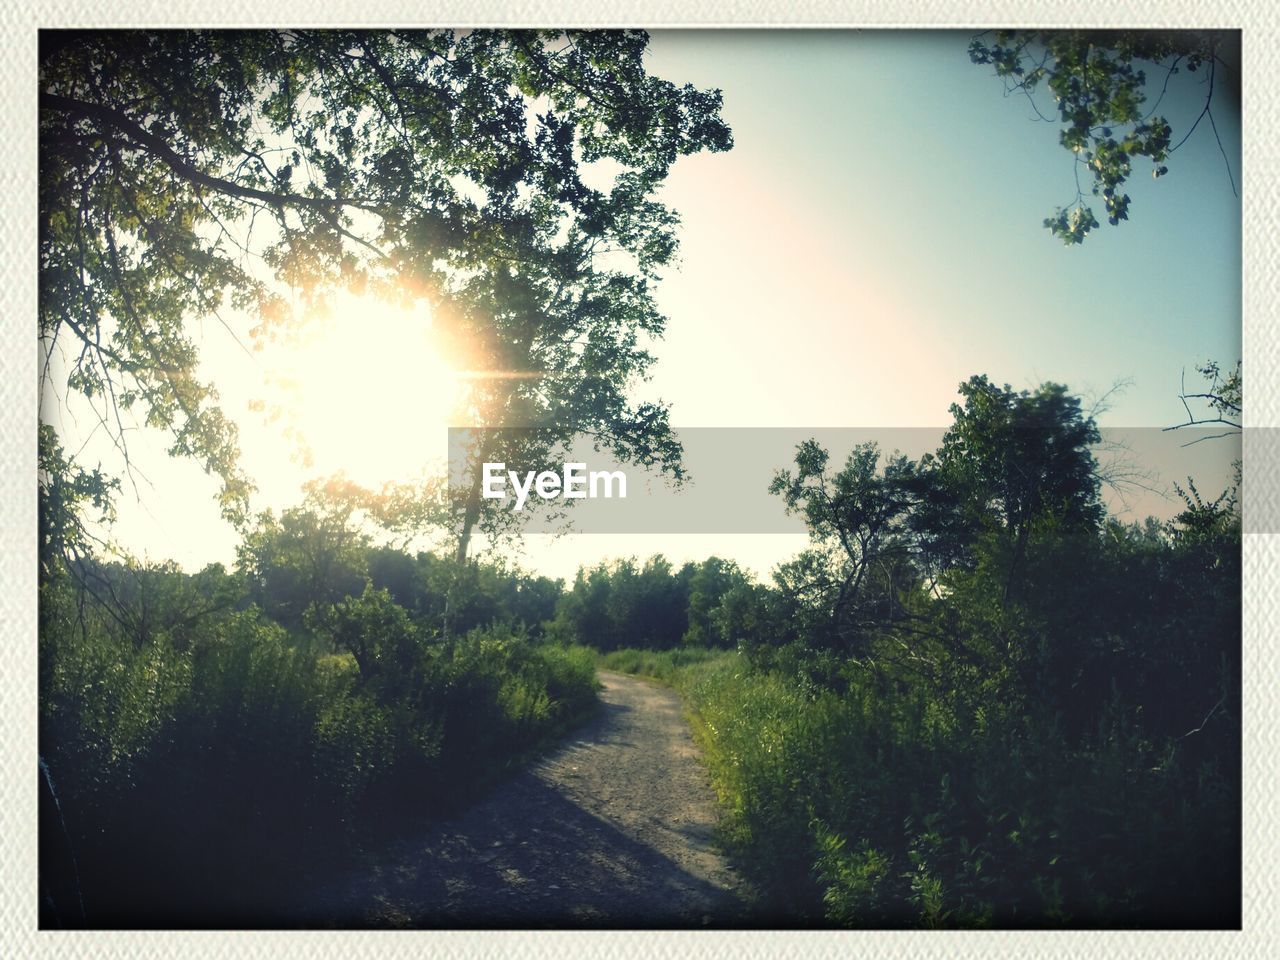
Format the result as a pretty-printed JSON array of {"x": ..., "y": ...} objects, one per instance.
[{"x": 873, "y": 239}]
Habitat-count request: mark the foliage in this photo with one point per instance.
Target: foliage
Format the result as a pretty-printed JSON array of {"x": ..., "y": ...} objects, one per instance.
[
  {"x": 855, "y": 517},
  {"x": 1098, "y": 81},
  {"x": 1026, "y": 714},
  {"x": 207, "y": 756},
  {"x": 299, "y": 565},
  {"x": 312, "y": 555},
  {"x": 67, "y": 493},
  {"x": 184, "y": 171},
  {"x": 669, "y": 666},
  {"x": 884, "y": 533},
  {"x": 711, "y": 581},
  {"x": 1041, "y": 729},
  {"x": 655, "y": 606},
  {"x": 908, "y": 807},
  {"x": 1011, "y": 461}
]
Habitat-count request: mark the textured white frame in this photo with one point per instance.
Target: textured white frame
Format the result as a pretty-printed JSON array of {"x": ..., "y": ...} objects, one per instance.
[{"x": 19, "y": 935}]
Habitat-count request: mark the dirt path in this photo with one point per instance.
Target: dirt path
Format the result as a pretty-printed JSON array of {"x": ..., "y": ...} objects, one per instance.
[{"x": 614, "y": 829}]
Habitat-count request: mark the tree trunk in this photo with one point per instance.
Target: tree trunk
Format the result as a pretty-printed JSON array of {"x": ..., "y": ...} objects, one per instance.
[{"x": 471, "y": 513}]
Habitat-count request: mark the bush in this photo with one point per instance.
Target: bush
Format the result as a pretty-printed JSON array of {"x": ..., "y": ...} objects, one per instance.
[
  {"x": 872, "y": 808},
  {"x": 198, "y": 782}
]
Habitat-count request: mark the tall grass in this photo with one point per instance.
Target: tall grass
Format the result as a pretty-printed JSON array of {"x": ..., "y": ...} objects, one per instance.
[
  {"x": 667, "y": 666},
  {"x": 199, "y": 783},
  {"x": 864, "y": 808}
]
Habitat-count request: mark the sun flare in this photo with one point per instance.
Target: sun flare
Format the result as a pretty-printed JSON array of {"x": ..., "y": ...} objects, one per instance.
[{"x": 365, "y": 391}]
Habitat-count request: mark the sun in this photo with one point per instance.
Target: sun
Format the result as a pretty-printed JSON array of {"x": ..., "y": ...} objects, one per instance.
[{"x": 365, "y": 391}]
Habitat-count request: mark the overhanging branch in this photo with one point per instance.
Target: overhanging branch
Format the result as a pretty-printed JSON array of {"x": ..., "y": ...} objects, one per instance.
[{"x": 159, "y": 148}]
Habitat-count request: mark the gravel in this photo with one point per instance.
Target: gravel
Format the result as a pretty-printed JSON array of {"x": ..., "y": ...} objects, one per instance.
[{"x": 613, "y": 829}]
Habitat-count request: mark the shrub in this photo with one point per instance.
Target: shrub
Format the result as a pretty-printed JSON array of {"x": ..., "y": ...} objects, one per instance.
[{"x": 197, "y": 780}]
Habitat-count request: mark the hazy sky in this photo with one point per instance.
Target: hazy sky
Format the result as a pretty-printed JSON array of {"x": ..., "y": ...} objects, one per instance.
[{"x": 873, "y": 239}]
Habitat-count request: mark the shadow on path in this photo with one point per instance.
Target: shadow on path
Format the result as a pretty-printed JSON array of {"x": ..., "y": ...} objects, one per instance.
[{"x": 612, "y": 830}]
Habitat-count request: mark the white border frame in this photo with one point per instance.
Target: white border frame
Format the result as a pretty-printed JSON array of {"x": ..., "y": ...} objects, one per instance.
[{"x": 19, "y": 934}]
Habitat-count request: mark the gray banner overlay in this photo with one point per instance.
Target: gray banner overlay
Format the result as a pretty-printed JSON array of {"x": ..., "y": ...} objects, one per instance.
[{"x": 728, "y": 471}]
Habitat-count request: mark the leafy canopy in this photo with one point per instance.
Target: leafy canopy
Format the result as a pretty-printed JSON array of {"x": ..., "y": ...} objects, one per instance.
[{"x": 506, "y": 177}]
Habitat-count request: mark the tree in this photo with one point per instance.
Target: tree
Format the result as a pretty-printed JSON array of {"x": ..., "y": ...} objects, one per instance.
[
  {"x": 379, "y": 634},
  {"x": 887, "y": 533},
  {"x": 1011, "y": 460},
  {"x": 857, "y": 519},
  {"x": 1098, "y": 82},
  {"x": 184, "y": 171},
  {"x": 745, "y": 617},
  {"x": 66, "y": 494},
  {"x": 583, "y": 614},
  {"x": 625, "y": 604},
  {"x": 313, "y": 555},
  {"x": 711, "y": 581}
]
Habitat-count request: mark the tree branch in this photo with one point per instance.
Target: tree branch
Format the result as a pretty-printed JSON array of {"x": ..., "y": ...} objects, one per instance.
[{"x": 160, "y": 149}]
